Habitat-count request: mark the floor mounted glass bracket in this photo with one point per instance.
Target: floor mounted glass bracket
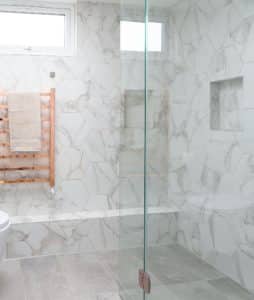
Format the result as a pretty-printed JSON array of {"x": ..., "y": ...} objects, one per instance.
[{"x": 144, "y": 281}]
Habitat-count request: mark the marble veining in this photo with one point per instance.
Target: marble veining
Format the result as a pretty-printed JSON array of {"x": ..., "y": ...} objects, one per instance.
[
  {"x": 211, "y": 167},
  {"x": 201, "y": 180},
  {"x": 88, "y": 110},
  {"x": 85, "y": 232},
  {"x": 94, "y": 276}
]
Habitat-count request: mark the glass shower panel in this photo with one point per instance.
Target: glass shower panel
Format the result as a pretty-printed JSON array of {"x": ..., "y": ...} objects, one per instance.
[
  {"x": 160, "y": 223},
  {"x": 131, "y": 257},
  {"x": 200, "y": 151}
]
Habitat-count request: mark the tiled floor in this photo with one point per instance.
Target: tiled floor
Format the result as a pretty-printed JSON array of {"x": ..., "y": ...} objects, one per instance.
[{"x": 176, "y": 275}]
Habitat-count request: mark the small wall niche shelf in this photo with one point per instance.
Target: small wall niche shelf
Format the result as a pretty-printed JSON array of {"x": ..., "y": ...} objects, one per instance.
[
  {"x": 29, "y": 167},
  {"x": 226, "y": 97}
]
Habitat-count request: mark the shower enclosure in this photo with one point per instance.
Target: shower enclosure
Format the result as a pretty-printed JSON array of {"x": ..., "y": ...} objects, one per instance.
[
  {"x": 187, "y": 146},
  {"x": 154, "y": 145}
]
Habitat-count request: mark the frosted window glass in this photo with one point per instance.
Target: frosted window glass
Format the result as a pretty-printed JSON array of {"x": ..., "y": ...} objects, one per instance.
[
  {"x": 32, "y": 30},
  {"x": 133, "y": 36}
]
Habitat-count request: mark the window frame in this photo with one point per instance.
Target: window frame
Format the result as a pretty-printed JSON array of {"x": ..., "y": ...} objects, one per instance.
[
  {"x": 67, "y": 10},
  {"x": 153, "y": 55}
]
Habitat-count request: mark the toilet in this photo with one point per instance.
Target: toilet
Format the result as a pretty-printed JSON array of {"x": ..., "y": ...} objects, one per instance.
[{"x": 4, "y": 228}]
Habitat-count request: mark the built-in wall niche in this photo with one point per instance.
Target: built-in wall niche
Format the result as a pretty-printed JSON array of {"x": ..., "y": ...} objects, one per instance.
[
  {"x": 226, "y": 97},
  {"x": 134, "y": 108}
]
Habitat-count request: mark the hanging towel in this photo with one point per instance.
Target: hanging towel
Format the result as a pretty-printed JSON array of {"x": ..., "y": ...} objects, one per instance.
[{"x": 24, "y": 112}]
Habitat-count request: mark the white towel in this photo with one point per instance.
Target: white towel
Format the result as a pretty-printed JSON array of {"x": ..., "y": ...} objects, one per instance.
[{"x": 24, "y": 112}]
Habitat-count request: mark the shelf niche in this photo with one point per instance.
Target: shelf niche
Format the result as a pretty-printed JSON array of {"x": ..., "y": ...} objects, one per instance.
[{"x": 226, "y": 98}]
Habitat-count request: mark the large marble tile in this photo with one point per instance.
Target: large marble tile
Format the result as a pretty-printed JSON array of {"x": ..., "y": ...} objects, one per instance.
[
  {"x": 174, "y": 264},
  {"x": 112, "y": 259},
  {"x": 85, "y": 274},
  {"x": 62, "y": 236},
  {"x": 11, "y": 281},
  {"x": 44, "y": 280},
  {"x": 123, "y": 266},
  {"x": 211, "y": 142},
  {"x": 108, "y": 296},
  {"x": 200, "y": 290},
  {"x": 111, "y": 276},
  {"x": 88, "y": 231},
  {"x": 220, "y": 289},
  {"x": 158, "y": 292},
  {"x": 133, "y": 294},
  {"x": 231, "y": 289}
]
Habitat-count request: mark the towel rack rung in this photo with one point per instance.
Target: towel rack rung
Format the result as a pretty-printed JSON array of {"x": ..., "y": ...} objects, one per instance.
[
  {"x": 36, "y": 155},
  {"x": 5, "y": 106},
  {"x": 44, "y": 143},
  {"x": 5, "y": 119},
  {"x": 6, "y": 131},
  {"x": 47, "y": 94},
  {"x": 24, "y": 180},
  {"x": 32, "y": 168}
]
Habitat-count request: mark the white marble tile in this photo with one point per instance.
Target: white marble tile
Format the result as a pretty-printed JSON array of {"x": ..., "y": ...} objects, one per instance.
[
  {"x": 213, "y": 41},
  {"x": 88, "y": 109},
  {"x": 44, "y": 279},
  {"x": 12, "y": 281},
  {"x": 88, "y": 231}
]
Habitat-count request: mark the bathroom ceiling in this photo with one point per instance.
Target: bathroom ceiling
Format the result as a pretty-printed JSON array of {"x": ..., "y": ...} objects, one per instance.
[{"x": 137, "y": 2}]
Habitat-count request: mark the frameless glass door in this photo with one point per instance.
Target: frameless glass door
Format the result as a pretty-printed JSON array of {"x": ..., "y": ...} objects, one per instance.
[
  {"x": 132, "y": 150},
  {"x": 159, "y": 222}
]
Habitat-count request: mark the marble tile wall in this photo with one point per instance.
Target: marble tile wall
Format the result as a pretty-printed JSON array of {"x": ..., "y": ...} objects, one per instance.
[
  {"x": 211, "y": 169},
  {"x": 99, "y": 143},
  {"x": 88, "y": 108},
  {"x": 83, "y": 235},
  {"x": 92, "y": 88},
  {"x": 59, "y": 237},
  {"x": 132, "y": 149},
  {"x": 132, "y": 134},
  {"x": 223, "y": 238}
]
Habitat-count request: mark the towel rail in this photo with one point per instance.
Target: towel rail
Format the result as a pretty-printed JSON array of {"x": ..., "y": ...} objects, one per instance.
[
  {"x": 5, "y": 106},
  {"x": 32, "y": 159},
  {"x": 7, "y": 144},
  {"x": 6, "y": 131},
  {"x": 32, "y": 168},
  {"x": 6, "y": 120},
  {"x": 24, "y": 156},
  {"x": 24, "y": 180},
  {"x": 47, "y": 94}
]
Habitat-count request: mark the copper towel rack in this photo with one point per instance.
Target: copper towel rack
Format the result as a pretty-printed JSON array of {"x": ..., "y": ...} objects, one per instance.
[{"x": 28, "y": 167}]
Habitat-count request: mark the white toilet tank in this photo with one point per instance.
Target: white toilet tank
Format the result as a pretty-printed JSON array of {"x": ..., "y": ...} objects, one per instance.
[{"x": 4, "y": 226}]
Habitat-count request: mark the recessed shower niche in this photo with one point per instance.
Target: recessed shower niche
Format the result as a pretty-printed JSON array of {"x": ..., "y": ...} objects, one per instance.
[{"x": 226, "y": 98}]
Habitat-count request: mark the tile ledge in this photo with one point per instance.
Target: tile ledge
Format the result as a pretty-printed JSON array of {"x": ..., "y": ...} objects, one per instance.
[{"x": 86, "y": 215}]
